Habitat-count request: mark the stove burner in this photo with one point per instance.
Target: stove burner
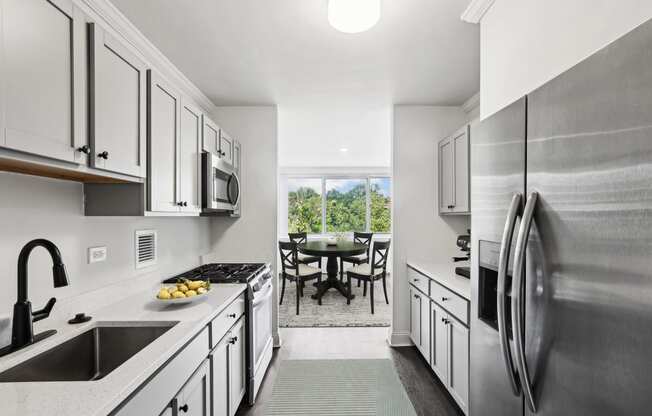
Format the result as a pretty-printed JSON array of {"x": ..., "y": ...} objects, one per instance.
[{"x": 221, "y": 273}]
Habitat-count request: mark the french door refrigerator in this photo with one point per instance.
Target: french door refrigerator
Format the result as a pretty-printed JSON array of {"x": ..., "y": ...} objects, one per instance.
[{"x": 562, "y": 243}]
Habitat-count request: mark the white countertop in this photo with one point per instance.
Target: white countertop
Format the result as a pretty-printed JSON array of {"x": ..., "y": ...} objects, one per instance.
[
  {"x": 444, "y": 274},
  {"x": 101, "y": 396}
]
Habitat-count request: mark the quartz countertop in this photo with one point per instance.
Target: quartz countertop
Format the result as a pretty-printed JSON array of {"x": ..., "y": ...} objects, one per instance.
[
  {"x": 102, "y": 396},
  {"x": 444, "y": 274}
]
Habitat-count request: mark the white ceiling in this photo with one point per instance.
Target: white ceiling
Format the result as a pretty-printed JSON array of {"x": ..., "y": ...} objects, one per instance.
[{"x": 244, "y": 52}]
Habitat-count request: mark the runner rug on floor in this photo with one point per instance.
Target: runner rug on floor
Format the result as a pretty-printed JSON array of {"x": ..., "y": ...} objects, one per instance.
[
  {"x": 339, "y": 387},
  {"x": 334, "y": 312}
]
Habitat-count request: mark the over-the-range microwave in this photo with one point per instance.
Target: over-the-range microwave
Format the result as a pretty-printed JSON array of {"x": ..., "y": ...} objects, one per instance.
[{"x": 220, "y": 186}]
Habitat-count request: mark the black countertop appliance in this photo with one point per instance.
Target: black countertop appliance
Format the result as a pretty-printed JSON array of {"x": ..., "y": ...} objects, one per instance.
[{"x": 464, "y": 243}]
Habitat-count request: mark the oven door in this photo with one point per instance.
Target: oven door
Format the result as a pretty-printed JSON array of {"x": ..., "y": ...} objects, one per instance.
[
  {"x": 221, "y": 185},
  {"x": 261, "y": 343}
]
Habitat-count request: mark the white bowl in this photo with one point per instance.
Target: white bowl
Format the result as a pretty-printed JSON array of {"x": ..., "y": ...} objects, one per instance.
[{"x": 178, "y": 301}]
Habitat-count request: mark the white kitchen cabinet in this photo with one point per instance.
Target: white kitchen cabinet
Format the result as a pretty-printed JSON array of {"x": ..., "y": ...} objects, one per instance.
[
  {"x": 453, "y": 173},
  {"x": 211, "y": 132},
  {"x": 226, "y": 147},
  {"x": 219, "y": 360},
  {"x": 228, "y": 371},
  {"x": 458, "y": 359},
  {"x": 190, "y": 139},
  {"x": 194, "y": 398},
  {"x": 439, "y": 341},
  {"x": 117, "y": 105},
  {"x": 420, "y": 321},
  {"x": 42, "y": 99},
  {"x": 163, "y": 145}
]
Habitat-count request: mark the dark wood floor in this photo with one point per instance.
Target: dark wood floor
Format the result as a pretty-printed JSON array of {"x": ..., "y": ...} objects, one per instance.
[{"x": 427, "y": 394}]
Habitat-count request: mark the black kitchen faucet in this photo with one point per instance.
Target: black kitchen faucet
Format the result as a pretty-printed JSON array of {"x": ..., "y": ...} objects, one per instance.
[{"x": 22, "y": 332}]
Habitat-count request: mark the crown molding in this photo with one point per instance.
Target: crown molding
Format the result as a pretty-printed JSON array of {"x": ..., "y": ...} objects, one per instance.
[
  {"x": 475, "y": 10},
  {"x": 472, "y": 103},
  {"x": 119, "y": 23}
]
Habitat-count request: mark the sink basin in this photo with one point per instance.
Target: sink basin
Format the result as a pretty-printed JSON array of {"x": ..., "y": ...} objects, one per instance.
[{"x": 90, "y": 355}]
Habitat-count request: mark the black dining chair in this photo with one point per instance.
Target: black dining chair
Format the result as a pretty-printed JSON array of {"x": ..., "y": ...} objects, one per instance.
[
  {"x": 361, "y": 238},
  {"x": 294, "y": 271},
  {"x": 370, "y": 272},
  {"x": 302, "y": 238}
]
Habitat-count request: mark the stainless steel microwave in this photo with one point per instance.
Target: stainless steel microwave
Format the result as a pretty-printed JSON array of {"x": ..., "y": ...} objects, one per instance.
[{"x": 220, "y": 185}]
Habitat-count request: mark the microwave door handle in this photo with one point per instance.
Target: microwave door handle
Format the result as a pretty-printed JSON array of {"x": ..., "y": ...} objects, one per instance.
[
  {"x": 518, "y": 289},
  {"x": 233, "y": 200},
  {"x": 505, "y": 247}
]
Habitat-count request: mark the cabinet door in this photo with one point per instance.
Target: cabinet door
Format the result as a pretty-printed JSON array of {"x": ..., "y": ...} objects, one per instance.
[
  {"x": 226, "y": 147},
  {"x": 461, "y": 151},
  {"x": 162, "y": 142},
  {"x": 425, "y": 328},
  {"x": 415, "y": 317},
  {"x": 219, "y": 360},
  {"x": 237, "y": 369},
  {"x": 446, "y": 176},
  {"x": 458, "y": 358},
  {"x": 211, "y": 132},
  {"x": 189, "y": 158},
  {"x": 194, "y": 398},
  {"x": 118, "y": 105},
  {"x": 439, "y": 342},
  {"x": 42, "y": 68}
]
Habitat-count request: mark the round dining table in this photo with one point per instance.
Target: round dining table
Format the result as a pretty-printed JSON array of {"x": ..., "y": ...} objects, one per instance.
[{"x": 332, "y": 252}]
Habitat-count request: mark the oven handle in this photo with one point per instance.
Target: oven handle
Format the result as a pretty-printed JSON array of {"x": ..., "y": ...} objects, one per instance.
[{"x": 263, "y": 298}]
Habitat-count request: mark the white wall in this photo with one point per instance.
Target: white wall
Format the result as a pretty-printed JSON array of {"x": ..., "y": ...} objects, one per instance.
[
  {"x": 419, "y": 232},
  {"x": 33, "y": 207},
  {"x": 525, "y": 43},
  {"x": 251, "y": 238},
  {"x": 311, "y": 133}
]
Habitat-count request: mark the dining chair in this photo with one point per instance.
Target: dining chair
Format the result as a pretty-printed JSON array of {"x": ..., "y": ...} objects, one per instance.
[
  {"x": 361, "y": 238},
  {"x": 370, "y": 272},
  {"x": 294, "y": 271},
  {"x": 302, "y": 238}
]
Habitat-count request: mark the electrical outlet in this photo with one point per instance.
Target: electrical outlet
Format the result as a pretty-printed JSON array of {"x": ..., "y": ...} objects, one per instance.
[{"x": 96, "y": 254}]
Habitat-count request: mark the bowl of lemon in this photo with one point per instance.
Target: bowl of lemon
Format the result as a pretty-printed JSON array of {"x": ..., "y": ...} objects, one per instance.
[{"x": 184, "y": 291}]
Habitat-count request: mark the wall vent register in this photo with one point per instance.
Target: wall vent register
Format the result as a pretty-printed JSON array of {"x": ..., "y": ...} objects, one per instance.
[{"x": 146, "y": 246}]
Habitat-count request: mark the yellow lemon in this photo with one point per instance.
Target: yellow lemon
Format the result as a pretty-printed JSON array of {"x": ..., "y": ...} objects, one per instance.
[
  {"x": 201, "y": 290},
  {"x": 182, "y": 288},
  {"x": 194, "y": 285},
  {"x": 178, "y": 294},
  {"x": 191, "y": 293},
  {"x": 164, "y": 294}
]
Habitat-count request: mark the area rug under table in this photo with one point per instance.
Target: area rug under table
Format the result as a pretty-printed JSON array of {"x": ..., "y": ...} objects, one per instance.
[
  {"x": 334, "y": 312},
  {"x": 339, "y": 387}
]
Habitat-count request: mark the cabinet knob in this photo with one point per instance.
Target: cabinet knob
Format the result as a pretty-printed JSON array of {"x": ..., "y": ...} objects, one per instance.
[
  {"x": 233, "y": 340},
  {"x": 104, "y": 155},
  {"x": 416, "y": 280},
  {"x": 184, "y": 408},
  {"x": 180, "y": 204},
  {"x": 444, "y": 299},
  {"x": 416, "y": 296},
  {"x": 185, "y": 203},
  {"x": 231, "y": 315},
  {"x": 84, "y": 149}
]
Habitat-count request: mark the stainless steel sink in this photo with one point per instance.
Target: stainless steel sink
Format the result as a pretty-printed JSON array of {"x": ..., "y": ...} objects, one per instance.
[{"x": 90, "y": 355}]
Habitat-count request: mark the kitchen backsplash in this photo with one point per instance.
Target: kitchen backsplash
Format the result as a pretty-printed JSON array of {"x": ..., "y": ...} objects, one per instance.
[{"x": 33, "y": 207}]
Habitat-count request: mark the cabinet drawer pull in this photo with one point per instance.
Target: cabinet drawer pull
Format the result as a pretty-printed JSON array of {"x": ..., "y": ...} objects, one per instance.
[
  {"x": 84, "y": 149},
  {"x": 415, "y": 280},
  {"x": 417, "y": 297},
  {"x": 104, "y": 155},
  {"x": 231, "y": 315},
  {"x": 184, "y": 408},
  {"x": 233, "y": 340},
  {"x": 445, "y": 299}
]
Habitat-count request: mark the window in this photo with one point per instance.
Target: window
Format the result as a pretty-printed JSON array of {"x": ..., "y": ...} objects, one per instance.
[
  {"x": 323, "y": 204},
  {"x": 304, "y": 205},
  {"x": 346, "y": 205}
]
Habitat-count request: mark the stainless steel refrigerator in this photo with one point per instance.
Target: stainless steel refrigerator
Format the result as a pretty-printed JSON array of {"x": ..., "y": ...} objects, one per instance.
[{"x": 562, "y": 243}]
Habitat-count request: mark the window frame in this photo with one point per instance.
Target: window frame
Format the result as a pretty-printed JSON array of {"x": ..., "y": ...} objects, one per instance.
[{"x": 366, "y": 177}]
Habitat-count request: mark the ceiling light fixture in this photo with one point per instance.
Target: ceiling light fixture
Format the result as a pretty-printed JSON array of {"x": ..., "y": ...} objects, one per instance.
[
  {"x": 344, "y": 150},
  {"x": 353, "y": 16}
]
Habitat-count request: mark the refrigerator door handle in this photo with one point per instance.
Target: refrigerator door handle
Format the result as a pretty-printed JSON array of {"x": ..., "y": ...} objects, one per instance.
[
  {"x": 518, "y": 289},
  {"x": 505, "y": 247}
]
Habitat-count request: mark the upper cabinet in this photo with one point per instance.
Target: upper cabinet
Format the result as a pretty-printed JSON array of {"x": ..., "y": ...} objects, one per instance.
[
  {"x": 190, "y": 142},
  {"x": 117, "y": 104},
  {"x": 453, "y": 173},
  {"x": 42, "y": 72},
  {"x": 211, "y": 141},
  {"x": 226, "y": 147}
]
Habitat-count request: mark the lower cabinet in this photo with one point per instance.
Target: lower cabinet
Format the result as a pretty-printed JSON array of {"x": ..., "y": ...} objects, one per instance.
[
  {"x": 194, "y": 398},
  {"x": 450, "y": 354},
  {"x": 420, "y": 321},
  {"x": 228, "y": 371}
]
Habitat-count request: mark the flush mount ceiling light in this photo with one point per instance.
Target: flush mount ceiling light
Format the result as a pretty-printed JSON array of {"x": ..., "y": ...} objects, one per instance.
[{"x": 353, "y": 16}]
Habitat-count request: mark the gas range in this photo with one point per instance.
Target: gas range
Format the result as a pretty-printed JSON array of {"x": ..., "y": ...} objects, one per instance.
[{"x": 222, "y": 273}]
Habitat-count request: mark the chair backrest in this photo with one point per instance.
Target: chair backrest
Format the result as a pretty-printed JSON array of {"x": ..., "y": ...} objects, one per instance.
[
  {"x": 363, "y": 238},
  {"x": 288, "y": 252},
  {"x": 379, "y": 256},
  {"x": 298, "y": 238}
]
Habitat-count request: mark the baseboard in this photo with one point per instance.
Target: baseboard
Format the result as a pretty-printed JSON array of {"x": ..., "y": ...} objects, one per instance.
[{"x": 400, "y": 339}]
